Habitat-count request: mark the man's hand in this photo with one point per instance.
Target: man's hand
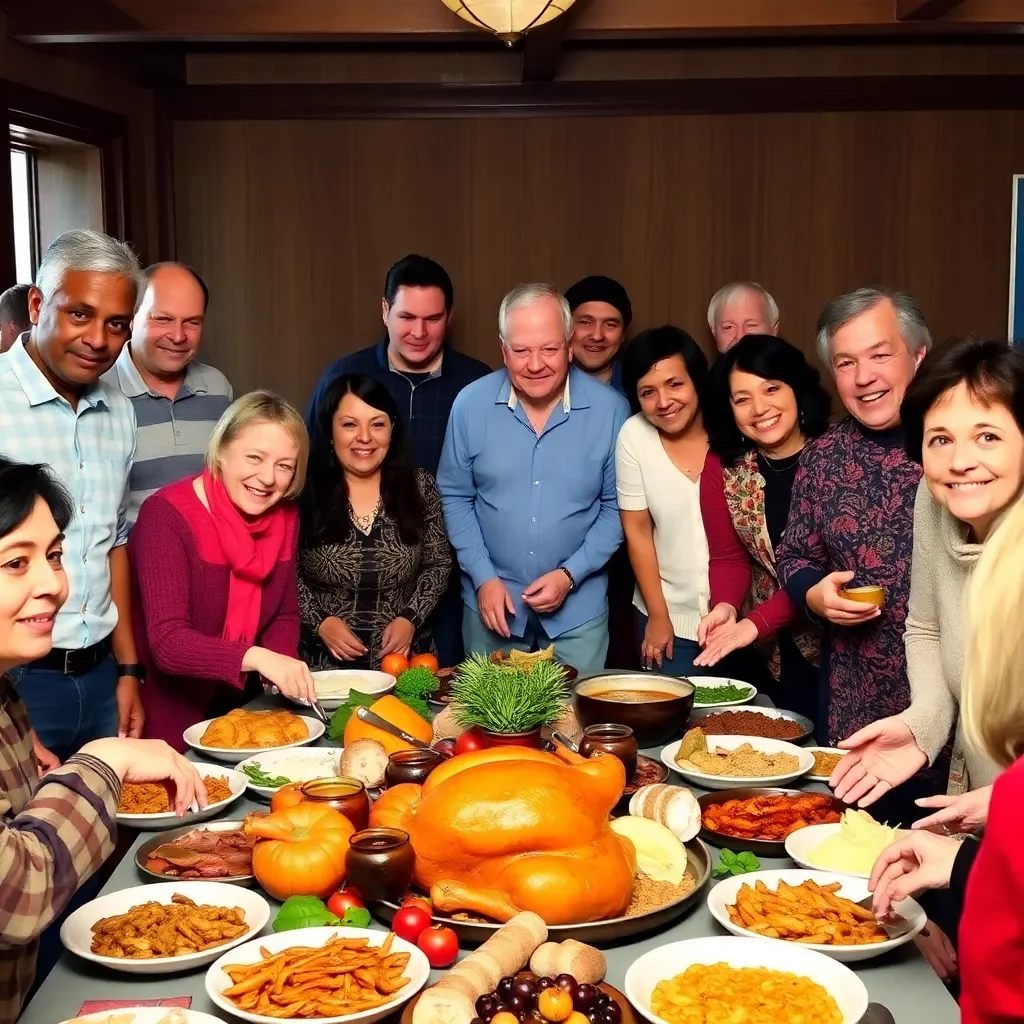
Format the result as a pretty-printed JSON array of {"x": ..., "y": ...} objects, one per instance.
[
  {"x": 826, "y": 601},
  {"x": 340, "y": 640},
  {"x": 398, "y": 637},
  {"x": 494, "y": 601},
  {"x": 46, "y": 760},
  {"x": 130, "y": 716},
  {"x": 547, "y": 592}
]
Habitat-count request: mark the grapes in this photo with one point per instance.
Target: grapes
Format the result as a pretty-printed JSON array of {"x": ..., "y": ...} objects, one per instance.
[
  {"x": 543, "y": 983},
  {"x": 611, "y": 1014},
  {"x": 595, "y": 1017},
  {"x": 504, "y": 989},
  {"x": 487, "y": 1007},
  {"x": 527, "y": 988},
  {"x": 477, "y": 1020},
  {"x": 584, "y": 998},
  {"x": 517, "y": 1003},
  {"x": 603, "y": 999},
  {"x": 566, "y": 982}
]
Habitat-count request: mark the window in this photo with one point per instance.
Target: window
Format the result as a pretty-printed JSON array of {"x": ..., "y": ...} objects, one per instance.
[{"x": 26, "y": 214}]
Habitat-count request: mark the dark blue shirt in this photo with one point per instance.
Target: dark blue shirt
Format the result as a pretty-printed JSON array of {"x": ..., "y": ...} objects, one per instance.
[{"x": 424, "y": 399}]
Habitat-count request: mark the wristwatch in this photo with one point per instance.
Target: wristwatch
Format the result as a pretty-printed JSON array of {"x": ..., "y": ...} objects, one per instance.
[
  {"x": 572, "y": 582},
  {"x": 135, "y": 671}
]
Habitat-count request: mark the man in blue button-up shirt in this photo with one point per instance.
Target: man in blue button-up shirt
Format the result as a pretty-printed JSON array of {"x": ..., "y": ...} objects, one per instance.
[{"x": 527, "y": 477}]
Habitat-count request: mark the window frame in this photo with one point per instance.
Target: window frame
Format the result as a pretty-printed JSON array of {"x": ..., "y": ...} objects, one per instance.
[{"x": 32, "y": 188}]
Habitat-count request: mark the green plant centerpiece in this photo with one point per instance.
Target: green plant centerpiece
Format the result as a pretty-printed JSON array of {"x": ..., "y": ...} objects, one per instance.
[{"x": 506, "y": 698}]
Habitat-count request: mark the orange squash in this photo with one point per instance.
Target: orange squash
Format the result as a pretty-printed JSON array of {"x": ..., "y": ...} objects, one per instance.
[
  {"x": 392, "y": 710},
  {"x": 391, "y": 807},
  {"x": 288, "y": 795},
  {"x": 301, "y": 850}
]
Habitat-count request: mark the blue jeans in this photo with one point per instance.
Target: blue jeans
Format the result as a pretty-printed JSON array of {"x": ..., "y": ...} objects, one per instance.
[
  {"x": 737, "y": 665},
  {"x": 69, "y": 711},
  {"x": 585, "y": 647}
]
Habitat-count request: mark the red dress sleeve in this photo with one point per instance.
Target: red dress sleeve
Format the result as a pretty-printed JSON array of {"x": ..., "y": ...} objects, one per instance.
[{"x": 728, "y": 561}]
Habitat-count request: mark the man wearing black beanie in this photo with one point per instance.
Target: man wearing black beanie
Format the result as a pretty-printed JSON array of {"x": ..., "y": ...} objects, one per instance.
[{"x": 601, "y": 312}]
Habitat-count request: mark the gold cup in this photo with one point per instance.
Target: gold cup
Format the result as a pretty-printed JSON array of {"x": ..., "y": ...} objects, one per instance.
[{"x": 866, "y": 595}]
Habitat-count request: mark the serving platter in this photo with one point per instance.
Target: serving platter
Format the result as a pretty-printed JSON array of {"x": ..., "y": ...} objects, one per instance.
[
  {"x": 143, "y": 852},
  {"x": 168, "y": 819},
  {"x": 698, "y": 867},
  {"x": 232, "y": 755},
  {"x": 334, "y": 685},
  {"x": 147, "y": 1015},
  {"x": 760, "y": 847},
  {"x": 805, "y": 762},
  {"x": 296, "y": 764},
  {"x": 823, "y": 750},
  {"x": 806, "y": 725}
]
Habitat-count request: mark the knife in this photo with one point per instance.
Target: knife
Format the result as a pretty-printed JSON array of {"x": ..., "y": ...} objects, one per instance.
[{"x": 364, "y": 714}]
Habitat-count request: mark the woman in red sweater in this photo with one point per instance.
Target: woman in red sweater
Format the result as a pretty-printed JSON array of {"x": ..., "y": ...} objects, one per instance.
[
  {"x": 215, "y": 599},
  {"x": 989, "y": 875},
  {"x": 763, "y": 404}
]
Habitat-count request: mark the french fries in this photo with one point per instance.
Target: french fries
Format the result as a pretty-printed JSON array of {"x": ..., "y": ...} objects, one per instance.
[
  {"x": 807, "y": 913},
  {"x": 341, "y": 977}
]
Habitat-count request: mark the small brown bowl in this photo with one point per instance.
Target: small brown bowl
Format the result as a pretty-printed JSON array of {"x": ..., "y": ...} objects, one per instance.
[
  {"x": 653, "y": 722},
  {"x": 866, "y": 595}
]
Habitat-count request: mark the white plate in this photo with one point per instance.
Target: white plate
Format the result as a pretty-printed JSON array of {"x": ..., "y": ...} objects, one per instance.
[
  {"x": 417, "y": 971},
  {"x": 673, "y": 958},
  {"x": 342, "y": 680},
  {"x": 236, "y": 780},
  {"x": 194, "y": 733},
  {"x": 303, "y": 765},
  {"x": 800, "y": 845},
  {"x": 724, "y": 895},
  {"x": 76, "y": 932},
  {"x": 823, "y": 750},
  {"x": 150, "y": 1015},
  {"x": 762, "y": 743},
  {"x": 715, "y": 681}
]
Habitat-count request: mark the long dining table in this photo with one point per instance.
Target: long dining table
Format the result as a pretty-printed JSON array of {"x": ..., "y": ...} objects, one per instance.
[{"x": 901, "y": 981}]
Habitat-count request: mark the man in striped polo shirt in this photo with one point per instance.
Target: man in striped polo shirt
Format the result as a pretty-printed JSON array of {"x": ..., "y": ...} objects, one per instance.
[{"x": 177, "y": 400}]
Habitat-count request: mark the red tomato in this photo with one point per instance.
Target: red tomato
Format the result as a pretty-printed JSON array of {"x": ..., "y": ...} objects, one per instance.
[
  {"x": 440, "y": 944},
  {"x": 418, "y": 901},
  {"x": 287, "y": 796},
  {"x": 394, "y": 664},
  {"x": 342, "y": 900},
  {"x": 470, "y": 740},
  {"x": 410, "y": 922},
  {"x": 424, "y": 661},
  {"x": 446, "y": 747}
]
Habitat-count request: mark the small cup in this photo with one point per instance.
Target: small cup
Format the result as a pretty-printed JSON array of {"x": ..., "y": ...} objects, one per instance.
[
  {"x": 344, "y": 794},
  {"x": 380, "y": 863},
  {"x": 411, "y": 766},
  {"x": 871, "y": 594},
  {"x": 610, "y": 738}
]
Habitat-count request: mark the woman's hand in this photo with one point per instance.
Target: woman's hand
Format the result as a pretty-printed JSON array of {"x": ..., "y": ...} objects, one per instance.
[
  {"x": 398, "y": 637},
  {"x": 726, "y": 640},
  {"x": 659, "y": 637},
  {"x": 922, "y": 860},
  {"x": 827, "y": 602},
  {"x": 965, "y": 813},
  {"x": 719, "y": 617},
  {"x": 340, "y": 640},
  {"x": 46, "y": 760},
  {"x": 936, "y": 948},
  {"x": 881, "y": 756},
  {"x": 291, "y": 676},
  {"x": 152, "y": 761}
]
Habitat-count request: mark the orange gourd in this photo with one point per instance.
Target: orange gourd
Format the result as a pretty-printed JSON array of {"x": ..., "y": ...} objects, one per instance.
[
  {"x": 392, "y": 806},
  {"x": 392, "y": 710},
  {"x": 288, "y": 795},
  {"x": 301, "y": 850}
]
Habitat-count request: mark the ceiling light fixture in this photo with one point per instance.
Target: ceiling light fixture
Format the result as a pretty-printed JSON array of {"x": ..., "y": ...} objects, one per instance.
[{"x": 509, "y": 20}]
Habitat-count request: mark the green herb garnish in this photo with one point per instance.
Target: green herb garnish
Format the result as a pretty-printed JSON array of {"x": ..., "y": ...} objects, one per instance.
[
  {"x": 414, "y": 686},
  {"x": 355, "y": 699},
  {"x": 258, "y": 777},
  {"x": 507, "y": 698},
  {"x": 719, "y": 694},
  {"x": 311, "y": 912},
  {"x": 730, "y": 863}
]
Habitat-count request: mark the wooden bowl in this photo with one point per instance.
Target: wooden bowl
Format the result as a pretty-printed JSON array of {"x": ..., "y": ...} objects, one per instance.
[{"x": 653, "y": 722}]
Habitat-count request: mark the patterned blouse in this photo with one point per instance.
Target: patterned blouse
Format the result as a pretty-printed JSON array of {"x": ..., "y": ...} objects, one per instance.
[{"x": 371, "y": 579}]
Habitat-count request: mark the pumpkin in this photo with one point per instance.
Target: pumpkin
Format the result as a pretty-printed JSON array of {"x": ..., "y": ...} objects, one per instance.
[
  {"x": 392, "y": 710},
  {"x": 301, "y": 850},
  {"x": 287, "y": 796},
  {"x": 391, "y": 807}
]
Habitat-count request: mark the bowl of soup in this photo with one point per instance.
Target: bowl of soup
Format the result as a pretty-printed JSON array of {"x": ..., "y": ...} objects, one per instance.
[{"x": 654, "y": 706}]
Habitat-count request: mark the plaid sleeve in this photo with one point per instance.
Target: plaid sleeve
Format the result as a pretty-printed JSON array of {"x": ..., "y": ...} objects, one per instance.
[{"x": 57, "y": 841}]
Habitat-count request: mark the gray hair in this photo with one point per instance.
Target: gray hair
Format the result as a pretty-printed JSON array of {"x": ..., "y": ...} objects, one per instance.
[
  {"x": 84, "y": 251},
  {"x": 725, "y": 295},
  {"x": 527, "y": 295},
  {"x": 846, "y": 308}
]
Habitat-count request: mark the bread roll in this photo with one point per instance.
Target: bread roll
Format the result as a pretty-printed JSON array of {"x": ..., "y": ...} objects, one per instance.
[
  {"x": 675, "y": 807},
  {"x": 583, "y": 962}
]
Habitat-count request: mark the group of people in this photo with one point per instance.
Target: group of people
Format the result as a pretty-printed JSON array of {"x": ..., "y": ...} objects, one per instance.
[{"x": 166, "y": 549}]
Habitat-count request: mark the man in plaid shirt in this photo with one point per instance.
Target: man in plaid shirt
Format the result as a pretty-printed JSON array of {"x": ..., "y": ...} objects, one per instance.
[{"x": 424, "y": 376}]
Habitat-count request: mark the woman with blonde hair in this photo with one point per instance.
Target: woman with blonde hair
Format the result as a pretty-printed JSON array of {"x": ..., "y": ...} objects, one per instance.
[
  {"x": 214, "y": 565},
  {"x": 987, "y": 876}
]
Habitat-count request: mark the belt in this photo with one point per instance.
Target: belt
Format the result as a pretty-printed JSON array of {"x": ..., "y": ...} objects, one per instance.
[{"x": 74, "y": 663}]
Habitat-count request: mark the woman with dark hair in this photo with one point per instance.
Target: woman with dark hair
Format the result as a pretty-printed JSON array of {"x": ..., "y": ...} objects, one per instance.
[
  {"x": 374, "y": 558},
  {"x": 763, "y": 403},
  {"x": 659, "y": 458},
  {"x": 54, "y": 832},
  {"x": 963, "y": 421}
]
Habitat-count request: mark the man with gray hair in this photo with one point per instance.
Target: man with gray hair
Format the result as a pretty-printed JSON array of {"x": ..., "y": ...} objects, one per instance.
[
  {"x": 55, "y": 409},
  {"x": 527, "y": 478},
  {"x": 739, "y": 309},
  {"x": 13, "y": 314}
]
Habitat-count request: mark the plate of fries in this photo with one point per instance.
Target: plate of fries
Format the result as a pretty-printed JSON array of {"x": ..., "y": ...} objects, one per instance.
[
  {"x": 815, "y": 909},
  {"x": 344, "y": 974}
]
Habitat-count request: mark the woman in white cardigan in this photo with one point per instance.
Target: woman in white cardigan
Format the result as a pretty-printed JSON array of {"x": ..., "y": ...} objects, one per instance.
[
  {"x": 658, "y": 462},
  {"x": 963, "y": 419}
]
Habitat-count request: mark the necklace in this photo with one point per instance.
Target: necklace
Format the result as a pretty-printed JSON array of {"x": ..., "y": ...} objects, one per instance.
[
  {"x": 779, "y": 466},
  {"x": 365, "y": 523}
]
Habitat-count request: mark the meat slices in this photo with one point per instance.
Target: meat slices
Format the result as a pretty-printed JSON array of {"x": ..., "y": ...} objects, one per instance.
[{"x": 204, "y": 854}]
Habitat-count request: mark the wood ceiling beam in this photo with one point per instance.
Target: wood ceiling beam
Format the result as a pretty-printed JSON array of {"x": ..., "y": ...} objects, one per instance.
[
  {"x": 923, "y": 10},
  {"x": 542, "y": 49}
]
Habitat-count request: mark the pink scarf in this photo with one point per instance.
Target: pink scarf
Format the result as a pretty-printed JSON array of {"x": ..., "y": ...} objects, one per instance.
[{"x": 252, "y": 548}]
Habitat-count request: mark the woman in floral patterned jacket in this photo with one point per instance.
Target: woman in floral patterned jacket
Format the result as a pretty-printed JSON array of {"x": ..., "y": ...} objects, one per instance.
[{"x": 763, "y": 403}]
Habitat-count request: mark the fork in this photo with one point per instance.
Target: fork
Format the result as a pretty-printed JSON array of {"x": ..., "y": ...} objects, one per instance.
[{"x": 895, "y": 925}]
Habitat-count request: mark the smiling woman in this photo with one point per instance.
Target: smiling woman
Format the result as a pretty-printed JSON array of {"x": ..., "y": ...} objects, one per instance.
[{"x": 213, "y": 558}]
